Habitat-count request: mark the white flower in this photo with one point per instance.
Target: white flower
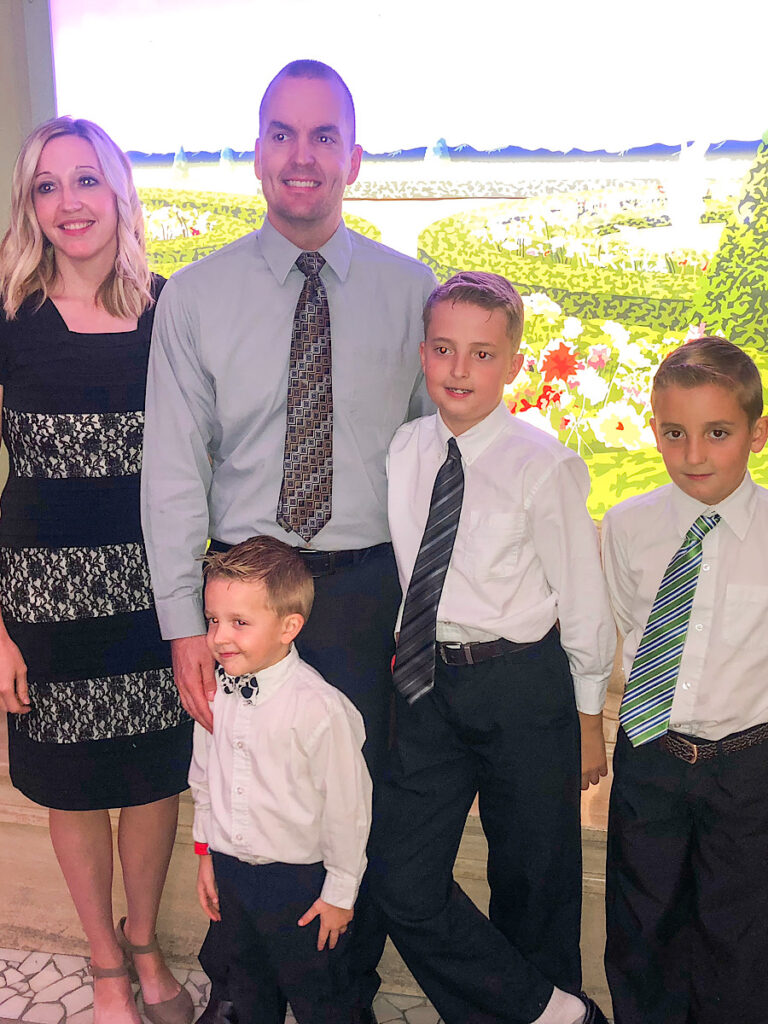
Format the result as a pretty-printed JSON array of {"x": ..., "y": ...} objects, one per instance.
[
  {"x": 618, "y": 333},
  {"x": 618, "y": 425},
  {"x": 591, "y": 385},
  {"x": 540, "y": 304},
  {"x": 631, "y": 356},
  {"x": 572, "y": 327}
]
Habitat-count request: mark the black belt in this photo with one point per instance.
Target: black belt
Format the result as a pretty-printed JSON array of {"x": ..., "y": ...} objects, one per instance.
[
  {"x": 704, "y": 750},
  {"x": 472, "y": 654},
  {"x": 323, "y": 563}
]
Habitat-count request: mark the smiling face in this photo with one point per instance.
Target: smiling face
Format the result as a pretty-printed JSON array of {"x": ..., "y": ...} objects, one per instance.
[
  {"x": 305, "y": 157},
  {"x": 468, "y": 357},
  {"x": 74, "y": 206},
  {"x": 705, "y": 437},
  {"x": 244, "y": 633}
]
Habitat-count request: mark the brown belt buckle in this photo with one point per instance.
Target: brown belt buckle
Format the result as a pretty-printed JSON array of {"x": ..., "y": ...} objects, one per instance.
[{"x": 683, "y": 748}]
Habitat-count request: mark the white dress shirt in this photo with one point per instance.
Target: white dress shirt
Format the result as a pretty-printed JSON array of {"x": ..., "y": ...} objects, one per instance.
[
  {"x": 526, "y": 551},
  {"x": 283, "y": 778},
  {"x": 216, "y": 401},
  {"x": 722, "y": 685}
]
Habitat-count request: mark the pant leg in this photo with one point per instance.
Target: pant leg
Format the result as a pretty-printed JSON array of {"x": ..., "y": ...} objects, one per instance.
[
  {"x": 252, "y": 982},
  {"x": 649, "y": 886},
  {"x": 464, "y": 964},
  {"x": 729, "y": 975},
  {"x": 349, "y": 640},
  {"x": 213, "y": 960},
  {"x": 522, "y": 723},
  {"x": 272, "y": 898}
]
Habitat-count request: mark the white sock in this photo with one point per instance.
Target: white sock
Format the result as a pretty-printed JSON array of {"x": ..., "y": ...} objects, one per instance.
[{"x": 562, "y": 1008}]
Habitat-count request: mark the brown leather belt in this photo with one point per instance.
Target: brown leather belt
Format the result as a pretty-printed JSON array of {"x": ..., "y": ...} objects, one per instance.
[
  {"x": 472, "y": 654},
  {"x": 704, "y": 750}
]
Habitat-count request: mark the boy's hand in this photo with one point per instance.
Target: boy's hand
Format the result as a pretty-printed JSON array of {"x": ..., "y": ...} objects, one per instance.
[
  {"x": 333, "y": 922},
  {"x": 207, "y": 892},
  {"x": 594, "y": 764}
]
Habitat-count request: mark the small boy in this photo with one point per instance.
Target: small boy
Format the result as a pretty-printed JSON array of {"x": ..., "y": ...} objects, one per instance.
[
  {"x": 282, "y": 795},
  {"x": 687, "y": 570},
  {"x": 494, "y": 548}
]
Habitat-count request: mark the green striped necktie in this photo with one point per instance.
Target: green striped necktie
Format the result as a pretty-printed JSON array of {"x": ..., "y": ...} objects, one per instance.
[{"x": 650, "y": 689}]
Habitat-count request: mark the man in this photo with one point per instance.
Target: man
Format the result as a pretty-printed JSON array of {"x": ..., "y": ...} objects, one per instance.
[{"x": 252, "y": 428}]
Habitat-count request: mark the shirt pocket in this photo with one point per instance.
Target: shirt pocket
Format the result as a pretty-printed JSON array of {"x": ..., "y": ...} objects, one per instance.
[
  {"x": 494, "y": 543},
  {"x": 744, "y": 616}
]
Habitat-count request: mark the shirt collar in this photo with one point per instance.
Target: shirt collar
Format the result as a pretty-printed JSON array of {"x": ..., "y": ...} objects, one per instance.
[
  {"x": 265, "y": 683},
  {"x": 280, "y": 254},
  {"x": 736, "y": 510},
  {"x": 474, "y": 441}
]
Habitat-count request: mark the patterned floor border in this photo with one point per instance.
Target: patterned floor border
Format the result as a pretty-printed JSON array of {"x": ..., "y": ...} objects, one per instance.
[{"x": 55, "y": 988}]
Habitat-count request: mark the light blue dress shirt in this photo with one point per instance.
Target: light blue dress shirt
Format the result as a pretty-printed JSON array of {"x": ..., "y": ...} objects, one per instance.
[{"x": 216, "y": 401}]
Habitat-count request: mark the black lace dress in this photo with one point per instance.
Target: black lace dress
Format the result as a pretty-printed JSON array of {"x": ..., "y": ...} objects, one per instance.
[{"x": 106, "y": 727}]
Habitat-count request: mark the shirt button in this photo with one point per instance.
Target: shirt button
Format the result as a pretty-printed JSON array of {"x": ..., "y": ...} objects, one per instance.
[
  {"x": 705, "y": 567},
  {"x": 686, "y": 685},
  {"x": 239, "y": 837},
  {"x": 698, "y": 627},
  {"x": 239, "y": 744},
  {"x": 239, "y": 789}
]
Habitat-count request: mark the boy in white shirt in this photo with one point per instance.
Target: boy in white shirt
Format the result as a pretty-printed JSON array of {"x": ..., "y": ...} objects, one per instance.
[
  {"x": 494, "y": 548},
  {"x": 282, "y": 795},
  {"x": 687, "y": 570}
]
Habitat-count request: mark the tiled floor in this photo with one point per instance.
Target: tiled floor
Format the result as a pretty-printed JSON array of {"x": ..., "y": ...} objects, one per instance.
[{"x": 53, "y": 988}]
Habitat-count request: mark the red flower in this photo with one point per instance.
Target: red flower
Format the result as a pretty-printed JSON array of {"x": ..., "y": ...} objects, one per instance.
[{"x": 559, "y": 363}]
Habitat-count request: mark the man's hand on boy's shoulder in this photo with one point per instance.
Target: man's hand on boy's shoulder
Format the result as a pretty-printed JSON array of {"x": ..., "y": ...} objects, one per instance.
[
  {"x": 333, "y": 922},
  {"x": 207, "y": 890},
  {"x": 594, "y": 763}
]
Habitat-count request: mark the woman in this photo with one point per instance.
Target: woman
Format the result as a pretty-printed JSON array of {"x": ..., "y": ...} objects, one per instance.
[{"x": 94, "y": 718}]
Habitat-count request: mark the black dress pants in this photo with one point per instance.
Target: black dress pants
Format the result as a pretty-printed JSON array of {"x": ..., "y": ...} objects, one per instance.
[
  {"x": 271, "y": 959},
  {"x": 687, "y": 887},
  {"x": 508, "y": 729},
  {"x": 349, "y": 639}
]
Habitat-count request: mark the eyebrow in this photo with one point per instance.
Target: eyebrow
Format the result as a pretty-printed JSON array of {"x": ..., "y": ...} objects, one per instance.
[
  {"x": 667, "y": 424},
  {"x": 78, "y": 167},
  {"x": 280, "y": 126}
]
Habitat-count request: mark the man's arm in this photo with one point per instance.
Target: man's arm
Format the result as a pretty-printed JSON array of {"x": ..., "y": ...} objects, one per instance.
[{"x": 176, "y": 477}]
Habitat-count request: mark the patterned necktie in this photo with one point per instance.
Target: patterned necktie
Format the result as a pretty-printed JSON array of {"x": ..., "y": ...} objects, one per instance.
[
  {"x": 414, "y": 673},
  {"x": 305, "y": 496},
  {"x": 650, "y": 689}
]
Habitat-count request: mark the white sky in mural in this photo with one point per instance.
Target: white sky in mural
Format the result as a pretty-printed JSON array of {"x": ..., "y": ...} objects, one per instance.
[{"x": 592, "y": 74}]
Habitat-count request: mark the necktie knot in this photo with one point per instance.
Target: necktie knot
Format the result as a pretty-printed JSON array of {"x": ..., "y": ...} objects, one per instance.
[
  {"x": 310, "y": 263},
  {"x": 454, "y": 452}
]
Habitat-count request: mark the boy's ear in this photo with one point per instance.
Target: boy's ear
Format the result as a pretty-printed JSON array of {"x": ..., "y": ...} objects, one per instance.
[
  {"x": 655, "y": 432},
  {"x": 421, "y": 354},
  {"x": 515, "y": 367},
  {"x": 292, "y": 626},
  {"x": 759, "y": 435}
]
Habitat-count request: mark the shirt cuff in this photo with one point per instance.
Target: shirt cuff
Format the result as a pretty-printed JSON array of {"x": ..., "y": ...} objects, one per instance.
[
  {"x": 181, "y": 617},
  {"x": 590, "y": 695},
  {"x": 340, "y": 891}
]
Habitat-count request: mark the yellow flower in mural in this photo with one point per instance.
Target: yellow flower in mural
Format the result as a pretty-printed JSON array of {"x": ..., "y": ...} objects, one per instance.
[{"x": 618, "y": 425}]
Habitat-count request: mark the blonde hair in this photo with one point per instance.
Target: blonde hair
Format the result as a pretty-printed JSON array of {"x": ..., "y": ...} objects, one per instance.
[
  {"x": 713, "y": 360},
  {"x": 28, "y": 259},
  {"x": 486, "y": 290},
  {"x": 288, "y": 583}
]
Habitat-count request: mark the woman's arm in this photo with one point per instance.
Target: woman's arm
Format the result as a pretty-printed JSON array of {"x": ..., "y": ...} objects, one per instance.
[{"x": 14, "y": 696}]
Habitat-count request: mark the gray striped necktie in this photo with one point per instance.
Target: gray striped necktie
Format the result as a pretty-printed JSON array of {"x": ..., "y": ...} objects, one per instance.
[
  {"x": 650, "y": 689},
  {"x": 414, "y": 672}
]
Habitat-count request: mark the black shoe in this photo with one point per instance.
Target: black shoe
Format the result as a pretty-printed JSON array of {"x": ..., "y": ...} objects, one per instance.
[
  {"x": 594, "y": 1014},
  {"x": 218, "y": 1011}
]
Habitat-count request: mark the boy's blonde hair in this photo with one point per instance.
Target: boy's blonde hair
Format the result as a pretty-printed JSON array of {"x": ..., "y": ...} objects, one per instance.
[
  {"x": 287, "y": 581},
  {"x": 27, "y": 258},
  {"x": 489, "y": 291},
  {"x": 713, "y": 360}
]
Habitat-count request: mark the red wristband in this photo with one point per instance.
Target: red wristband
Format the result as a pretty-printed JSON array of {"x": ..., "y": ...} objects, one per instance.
[{"x": 201, "y": 849}]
